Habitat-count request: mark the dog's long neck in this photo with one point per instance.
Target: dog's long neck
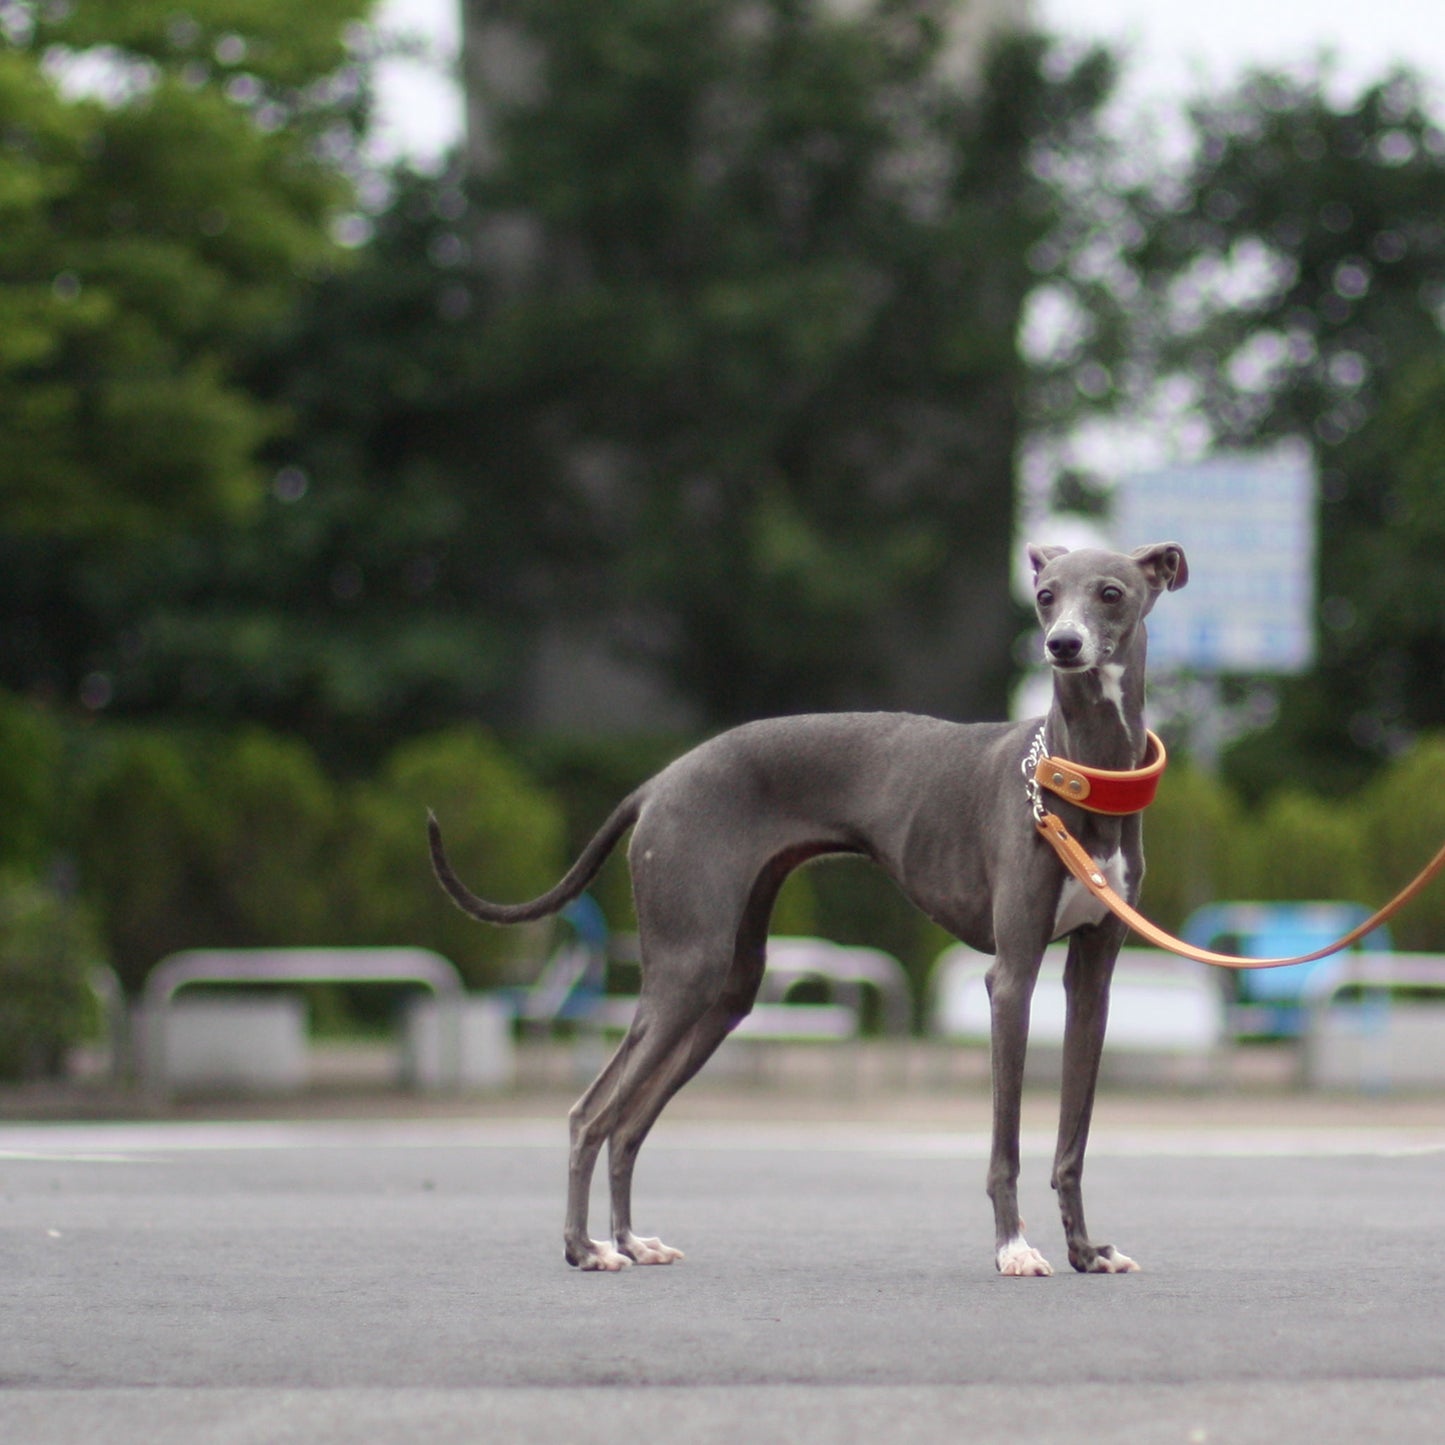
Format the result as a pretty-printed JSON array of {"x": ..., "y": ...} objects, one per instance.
[{"x": 1097, "y": 716}]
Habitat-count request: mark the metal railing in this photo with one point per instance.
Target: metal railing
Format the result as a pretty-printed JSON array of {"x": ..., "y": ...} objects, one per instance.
[{"x": 297, "y": 966}]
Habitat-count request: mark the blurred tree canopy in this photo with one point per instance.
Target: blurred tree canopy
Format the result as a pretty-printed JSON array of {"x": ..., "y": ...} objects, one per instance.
[
  {"x": 713, "y": 356},
  {"x": 164, "y": 189},
  {"x": 1297, "y": 280},
  {"x": 169, "y": 173},
  {"x": 745, "y": 284},
  {"x": 717, "y": 359},
  {"x": 718, "y": 347}
]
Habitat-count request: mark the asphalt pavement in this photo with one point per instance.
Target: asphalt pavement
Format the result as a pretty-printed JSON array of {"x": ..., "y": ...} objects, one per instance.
[{"x": 325, "y": 1278}]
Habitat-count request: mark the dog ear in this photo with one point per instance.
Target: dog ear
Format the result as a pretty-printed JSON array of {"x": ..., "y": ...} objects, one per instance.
[
  {"x": 1164, "y": 565},
  {"x": 1040, "y": 557}
]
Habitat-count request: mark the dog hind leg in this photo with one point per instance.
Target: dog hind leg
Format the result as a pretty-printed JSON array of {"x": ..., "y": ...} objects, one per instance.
[
  {"x": 589, "y": 1123},
  {"x": 695, "y": 994},
  {"x": 654, "y": 1052},
  {"x": 680, "y": 990},
  {"x": 642, "y": 1110}
]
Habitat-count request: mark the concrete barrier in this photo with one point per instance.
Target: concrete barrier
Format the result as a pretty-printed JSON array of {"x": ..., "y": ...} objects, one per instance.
[
  {"x": 257, "y": 967},
  {"x": 481, "y": 1033},
  {"x": 1376, "y": 1022},
  {"x": 237, "y": 1045},
  {"x": 1167, "y": 1021}
]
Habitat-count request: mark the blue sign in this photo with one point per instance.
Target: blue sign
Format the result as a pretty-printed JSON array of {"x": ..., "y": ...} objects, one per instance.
[{"x": 1247, "y": 526}]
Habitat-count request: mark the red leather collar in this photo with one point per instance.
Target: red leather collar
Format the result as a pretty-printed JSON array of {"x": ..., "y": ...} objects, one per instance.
[{"x": 1102, "y": 790}]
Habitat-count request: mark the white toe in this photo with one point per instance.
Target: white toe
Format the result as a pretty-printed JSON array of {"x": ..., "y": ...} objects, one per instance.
[
  {"x": 1019, "y": 1260},
  {"x": 653, "y": 1251},
  {"x": 604, "y": 1257}
]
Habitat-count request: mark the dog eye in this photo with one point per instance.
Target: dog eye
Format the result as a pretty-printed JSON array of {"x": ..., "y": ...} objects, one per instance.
[
  {"x": 1112, "y": 594},
  {"x": 1045, "y": 598}
]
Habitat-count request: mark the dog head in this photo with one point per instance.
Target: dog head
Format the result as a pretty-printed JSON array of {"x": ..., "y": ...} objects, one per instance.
[{"x": 1090, "y": 602}]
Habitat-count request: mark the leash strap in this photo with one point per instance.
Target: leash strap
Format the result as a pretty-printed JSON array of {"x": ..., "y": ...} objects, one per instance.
[{"x": 1075, "y": 857}]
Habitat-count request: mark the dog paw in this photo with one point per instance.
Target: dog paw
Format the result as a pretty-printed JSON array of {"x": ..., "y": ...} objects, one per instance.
[
  {"x": 1107, "y": 1260},
  {"x": 649, "y": 1251},
  {"x": 1019, "y": 1260},
  {"x": 600, "y": 1255}
]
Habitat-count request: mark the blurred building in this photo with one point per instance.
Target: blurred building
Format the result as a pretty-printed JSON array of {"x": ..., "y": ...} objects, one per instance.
[{"x": 580, "y": 679}]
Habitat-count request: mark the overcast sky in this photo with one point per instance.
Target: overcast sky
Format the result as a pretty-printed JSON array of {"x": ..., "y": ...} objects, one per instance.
[
  {"x": 1177, "y": 45},
  {"x": 1175, "y": 48}
]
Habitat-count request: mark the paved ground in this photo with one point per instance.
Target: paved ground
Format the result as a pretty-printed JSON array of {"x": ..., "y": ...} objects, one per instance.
[{"x": 390, "y": 1278}]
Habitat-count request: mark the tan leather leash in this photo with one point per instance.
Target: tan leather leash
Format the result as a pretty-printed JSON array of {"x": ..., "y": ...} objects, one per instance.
[{"x": 1075, "y": 857}]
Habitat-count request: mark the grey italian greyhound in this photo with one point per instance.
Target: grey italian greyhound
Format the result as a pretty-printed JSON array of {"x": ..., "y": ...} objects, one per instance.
[{"x": 940, "y": 806}]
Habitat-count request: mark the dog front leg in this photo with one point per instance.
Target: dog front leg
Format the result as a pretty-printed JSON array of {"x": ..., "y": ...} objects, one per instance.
[
  {"x": 1010, "y": 992},
  {"x": 1087, "y": 975}
]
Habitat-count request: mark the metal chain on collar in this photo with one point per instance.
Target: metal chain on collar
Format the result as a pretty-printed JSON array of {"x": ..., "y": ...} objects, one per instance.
[{"x": 1030, "y": 765}]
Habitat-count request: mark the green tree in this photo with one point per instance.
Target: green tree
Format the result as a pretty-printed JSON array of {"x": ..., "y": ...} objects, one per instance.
[
  {"x": 1298, "y": 278},
  {"x": 383, "y": 587},
  {"x": 717, "y": 357},
  {"x": 168, "y": 177},
  {"x": 764, "y": 321},
  {"x": 158, "y": 196}
]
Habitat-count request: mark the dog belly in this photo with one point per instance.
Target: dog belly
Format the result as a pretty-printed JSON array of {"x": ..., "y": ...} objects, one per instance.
[{"x": 1077, "y": 906}]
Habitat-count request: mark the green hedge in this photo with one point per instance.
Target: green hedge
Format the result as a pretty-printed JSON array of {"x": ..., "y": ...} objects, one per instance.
[
  {"x": 191, "y": 842},
  {"x": 187, "y": 840},
  {"x": 504, "y": 833},
  {"x": 31, "y": 749},
  {"x": 243, "y": 841},
  {"x": 1204, "y": 846},
  {"x": 47, "y": 949},
  {"x": 1403, "y": 824},
  {"x": 1190, "y": 834}
]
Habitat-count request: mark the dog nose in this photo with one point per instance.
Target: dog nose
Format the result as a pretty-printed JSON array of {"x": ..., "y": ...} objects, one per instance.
[{"x": 1065, "y": 646}]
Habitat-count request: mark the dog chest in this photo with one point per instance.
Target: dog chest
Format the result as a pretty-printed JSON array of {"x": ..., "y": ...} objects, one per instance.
[{"x": 1077, "y": 906}]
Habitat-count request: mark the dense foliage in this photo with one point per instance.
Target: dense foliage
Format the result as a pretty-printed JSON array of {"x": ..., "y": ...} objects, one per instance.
[
  {"x": 1297, "y": 275},
  {"x": 714, "y": 363},
  {"x": 48, "y": 946},
  {"x": 242, "y": 840},
  {"x": 162, "y": 195},
  {"x": 714, "y": 356}
]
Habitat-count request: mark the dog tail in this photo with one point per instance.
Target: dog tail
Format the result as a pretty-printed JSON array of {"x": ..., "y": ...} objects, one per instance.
[{"x": 577, "y": 878}]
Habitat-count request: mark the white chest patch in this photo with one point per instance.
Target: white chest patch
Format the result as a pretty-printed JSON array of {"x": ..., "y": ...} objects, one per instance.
[
  {"x": 1111, "y": 684},
  {"x": 1077, "y": 906}
]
